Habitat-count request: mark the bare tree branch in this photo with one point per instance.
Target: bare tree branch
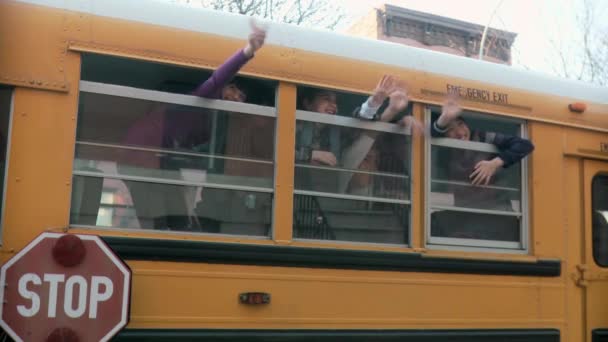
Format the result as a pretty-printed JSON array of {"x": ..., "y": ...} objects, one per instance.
[
  {"x": 586, "y": 57},
  {"x": 311, "y": 13}
]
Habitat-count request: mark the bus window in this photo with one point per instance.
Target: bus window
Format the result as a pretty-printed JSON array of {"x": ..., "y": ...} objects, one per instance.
[
  {"x": 352, "y": 177},
  {"x": 5, "y": 113},
  {"x": 463, "y": 214},
  {"x": 600, "y": 219},
  {"x": 160, "y": 160}
]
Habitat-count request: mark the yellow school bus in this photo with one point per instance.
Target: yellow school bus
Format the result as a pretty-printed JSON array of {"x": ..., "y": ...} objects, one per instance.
[{"x": 273, "y": 248}]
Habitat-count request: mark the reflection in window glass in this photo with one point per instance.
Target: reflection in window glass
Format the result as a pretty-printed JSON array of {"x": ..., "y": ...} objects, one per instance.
[
  {"x": 143, "y": 164},
  {"x": 368, "y": 163},
  {"x": 452, "y": 193},
  {"x": 451, "y": 185},
  {"x": 106, "y": 210},
  {"x": 323, "y": 218},
  {"x": 599, "y": 219},
  {"x": 477, "y": 226},
  {"x": 177, "y": 207}
]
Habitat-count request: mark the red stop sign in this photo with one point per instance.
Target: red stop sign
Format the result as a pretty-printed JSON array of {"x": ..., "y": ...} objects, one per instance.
[{"x": 64, "y": 287}]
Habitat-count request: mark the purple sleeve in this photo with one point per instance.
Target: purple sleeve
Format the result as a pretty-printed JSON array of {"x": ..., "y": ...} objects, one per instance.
[{"x": 212, "y": 87}]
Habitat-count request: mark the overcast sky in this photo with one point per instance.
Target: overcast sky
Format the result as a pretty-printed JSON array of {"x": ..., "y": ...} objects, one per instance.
[{"x": 536, "y": 22}]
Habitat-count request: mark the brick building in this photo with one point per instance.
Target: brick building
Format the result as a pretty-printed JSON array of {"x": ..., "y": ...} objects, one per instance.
[{"x": 429, "y": 31}]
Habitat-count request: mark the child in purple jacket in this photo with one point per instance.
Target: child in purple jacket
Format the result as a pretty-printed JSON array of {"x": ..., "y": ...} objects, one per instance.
[
  {"x": 158, "y": 131},
  {"x": 162, "y": 206}
]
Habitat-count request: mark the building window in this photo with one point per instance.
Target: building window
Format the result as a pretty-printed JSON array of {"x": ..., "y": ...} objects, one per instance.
[
  {"x": 599, "y": 219},
  {"x": 163, "y": 160},
  {"x": 482, "y": 216},
  {"x": 352, "y": 176}
]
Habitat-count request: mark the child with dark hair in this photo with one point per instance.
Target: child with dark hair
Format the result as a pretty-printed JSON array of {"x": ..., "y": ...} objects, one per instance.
[{"x": 162, "y": 129}]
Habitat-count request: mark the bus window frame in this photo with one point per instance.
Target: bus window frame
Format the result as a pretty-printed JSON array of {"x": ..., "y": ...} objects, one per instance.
[
  {"x": 360, "y": 124},
  {"x": 7, "y": 160},
  {"x": 593, "y": 251},
  {"x": 475, "y": 245},
  {"x": 115, "y": 90}
]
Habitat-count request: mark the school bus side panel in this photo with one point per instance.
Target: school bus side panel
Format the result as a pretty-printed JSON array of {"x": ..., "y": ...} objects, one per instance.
[
  {"x": 547, "y": 191},
  {"x": 171, "y": 295},
  {"x": 35, "y": 59},
  {"x": 39, "y": 175},
  {"x": 573, "y": 202},
  {"x": 593, "y": 277},
  {"x": 34, "y": 46}
]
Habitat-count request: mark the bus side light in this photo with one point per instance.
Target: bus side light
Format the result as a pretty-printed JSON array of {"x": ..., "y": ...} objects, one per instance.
[
  {"x": 577, "y": 107},
  {"x": 254, "y": 298}
]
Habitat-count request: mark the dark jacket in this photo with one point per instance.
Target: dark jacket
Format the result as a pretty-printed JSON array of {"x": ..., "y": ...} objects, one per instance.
[
  {"x": 511, "y": 149},
  {"x": 461, "y": 163}
]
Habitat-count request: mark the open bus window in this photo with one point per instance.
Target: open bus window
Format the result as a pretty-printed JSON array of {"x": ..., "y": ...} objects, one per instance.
[
  {"x": 352, "y": 176},
  {"x": 160, "y": 160},
  {"x": 5, "y": 112},
  {"x": 464, "y": 214},
  {"x": 599, "y": 219},
  {"x": 165, "y": 77}
]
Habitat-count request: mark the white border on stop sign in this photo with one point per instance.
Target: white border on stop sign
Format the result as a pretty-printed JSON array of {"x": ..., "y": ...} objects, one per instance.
[{"x": 118, "y": 262}]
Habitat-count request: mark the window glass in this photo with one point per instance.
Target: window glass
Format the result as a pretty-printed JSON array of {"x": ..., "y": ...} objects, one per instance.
[
  {"x": 368, "y": 163},
  {"x": 324, "y": 218},
  {"x": 464, "y": 214},
  {"x": 140, "y": 163},
  {"x": 600, "y": 219},
  {"x": 352, "y": 175},
  {"x": 175, "y": 142},
  {"x": 451, "y": 183}
]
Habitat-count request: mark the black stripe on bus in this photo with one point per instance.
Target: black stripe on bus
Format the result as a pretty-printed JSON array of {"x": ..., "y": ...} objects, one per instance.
[
  {"x": 599, "y": 335},
  {"x": 287, "y": 256},
  {"x": 514, "y": 335}
]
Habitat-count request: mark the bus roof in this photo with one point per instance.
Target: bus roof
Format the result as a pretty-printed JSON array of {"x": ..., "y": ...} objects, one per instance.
[{"x": 164, "y": 13}]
